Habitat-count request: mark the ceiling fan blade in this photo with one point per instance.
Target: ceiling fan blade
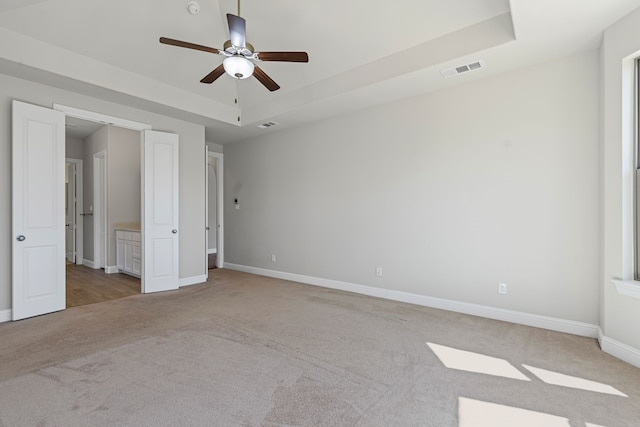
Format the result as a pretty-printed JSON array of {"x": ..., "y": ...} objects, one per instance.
[
  {"x": 213, "y": 76},
  {"x": 237, "y": 30},
  {"x": 188, "y": 45},
  {"x": 283, "y": 56},
  {"x": 265, "y": 79}
]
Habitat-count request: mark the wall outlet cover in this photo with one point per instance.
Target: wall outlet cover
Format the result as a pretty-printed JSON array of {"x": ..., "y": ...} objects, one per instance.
[{"x": 502, "y": 288}]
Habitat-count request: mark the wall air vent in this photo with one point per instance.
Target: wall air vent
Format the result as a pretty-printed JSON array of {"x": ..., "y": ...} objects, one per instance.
[
  {"x": 267, "y": 125},
  {"x": 461, "y": 69}
]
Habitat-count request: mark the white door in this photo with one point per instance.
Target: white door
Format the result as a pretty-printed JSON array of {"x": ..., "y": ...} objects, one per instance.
[
  {"x": 38, "y": 224},
  {"x": 71, "y": 211},
  {"x": 160, "y": 212}
]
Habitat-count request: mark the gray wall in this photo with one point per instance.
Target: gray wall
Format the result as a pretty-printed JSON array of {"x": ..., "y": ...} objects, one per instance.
[
  {"x": 216, "y": 148},
  {"x": 449, "y": 192},
  {"x": 123, "y": 186},
  {"x": 123, "y": 149},
  {"x": 192, "y": 179},
  {"x": 73, "y": 148}
]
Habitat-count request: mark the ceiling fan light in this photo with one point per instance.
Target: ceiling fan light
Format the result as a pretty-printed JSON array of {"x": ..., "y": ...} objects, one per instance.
[{"x": 238, "y": 67}]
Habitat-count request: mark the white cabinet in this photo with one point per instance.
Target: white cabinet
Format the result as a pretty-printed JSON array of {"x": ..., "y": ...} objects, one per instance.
[{"x": 128, "y": 252}]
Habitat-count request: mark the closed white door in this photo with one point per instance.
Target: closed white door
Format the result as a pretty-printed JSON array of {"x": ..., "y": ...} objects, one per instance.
[
  {"x": 38, "y": 224},
  {"x": 160, "y": 212}
]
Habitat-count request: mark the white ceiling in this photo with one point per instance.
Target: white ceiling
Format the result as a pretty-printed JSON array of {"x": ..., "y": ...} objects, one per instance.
[{"x": 362, "y": 52}]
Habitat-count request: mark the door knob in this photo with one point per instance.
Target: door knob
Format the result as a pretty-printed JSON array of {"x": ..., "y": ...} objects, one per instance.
[
  {"x": 20, "y": 238},
  {"x": 174, "y": 231}
]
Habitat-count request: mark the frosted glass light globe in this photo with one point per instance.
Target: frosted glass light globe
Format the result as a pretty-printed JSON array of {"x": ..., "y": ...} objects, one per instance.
[{"x": 238, "y": 67}]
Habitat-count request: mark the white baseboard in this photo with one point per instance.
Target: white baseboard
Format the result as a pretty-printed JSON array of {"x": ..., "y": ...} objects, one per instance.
[
  {"x": 528, "y": 319},
  {"x": 88, "y": 263},
  {"x": 112, "y": 269},
  {"x": 213, "y": 251},
  {"x": 5, "y": 315},
  {"x": 619, "y": 350},
  {"x": 187, "y": 281}
]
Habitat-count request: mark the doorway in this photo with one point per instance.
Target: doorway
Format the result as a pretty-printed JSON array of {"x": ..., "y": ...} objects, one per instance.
[
  {"x": 96, "y": 277},
  {"x": 73, "y": 211},
  {"x": 214, "y": 186}
]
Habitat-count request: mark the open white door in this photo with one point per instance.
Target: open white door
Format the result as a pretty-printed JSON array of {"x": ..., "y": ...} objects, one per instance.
[
  {"x": 38, "y": 265},
  {"x": 160, "y": 211}
]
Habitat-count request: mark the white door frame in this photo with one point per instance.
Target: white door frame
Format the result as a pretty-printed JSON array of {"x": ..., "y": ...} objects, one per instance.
[
  {"x": 79, "y": 219},
  {"x": 100, "y": 209},
  {"x": 219, "y": 205},
  {"x": 101, "y": 118}
]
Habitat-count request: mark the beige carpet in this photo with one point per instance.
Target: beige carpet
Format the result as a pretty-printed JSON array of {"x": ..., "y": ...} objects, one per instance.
[{"x": 244, "y": 350}]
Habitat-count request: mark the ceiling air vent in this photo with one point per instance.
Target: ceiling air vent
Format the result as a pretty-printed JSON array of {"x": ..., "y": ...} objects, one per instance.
[
  {"x": 267, "y": 125},
  {"x": 461, "y": 69}
]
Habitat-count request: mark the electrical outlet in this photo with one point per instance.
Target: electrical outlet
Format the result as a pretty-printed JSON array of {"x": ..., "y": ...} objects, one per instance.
[
  {"x": 379, "y": 271},
  {"x": 502, "y": 288},
  {"x": 273, "y": 257}
]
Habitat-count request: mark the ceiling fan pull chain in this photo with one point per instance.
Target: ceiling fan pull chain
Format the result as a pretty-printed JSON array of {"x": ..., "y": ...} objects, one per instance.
[{"x": 238, "y": 97}]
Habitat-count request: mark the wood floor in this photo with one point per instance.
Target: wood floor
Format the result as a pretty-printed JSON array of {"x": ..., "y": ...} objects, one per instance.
[
  {"x": 212, "y": 261},
  {"x": 88, "y": 286}
]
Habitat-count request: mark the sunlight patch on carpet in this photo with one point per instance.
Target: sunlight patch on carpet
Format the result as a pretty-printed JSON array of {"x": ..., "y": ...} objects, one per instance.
[
  {"x": 475, "y": 362},
  {"x": 556, "y": 378},
  {"x": 476, "y": 413}
]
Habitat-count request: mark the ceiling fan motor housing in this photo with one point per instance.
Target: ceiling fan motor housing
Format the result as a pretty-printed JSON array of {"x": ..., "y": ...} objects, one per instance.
[{"x": 228, "y": 47}]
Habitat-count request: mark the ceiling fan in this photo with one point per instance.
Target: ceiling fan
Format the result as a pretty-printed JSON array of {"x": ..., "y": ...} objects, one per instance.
[{"x": 240, "y": 56}]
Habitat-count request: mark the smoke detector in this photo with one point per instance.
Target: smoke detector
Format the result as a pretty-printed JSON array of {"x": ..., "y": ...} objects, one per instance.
[
  {"x": 461, "y": 69},
  {"x": 193, "y": 7}
]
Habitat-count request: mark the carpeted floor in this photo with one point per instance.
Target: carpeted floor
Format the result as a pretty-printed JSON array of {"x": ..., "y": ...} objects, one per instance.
[{"x": 245, "y": 350}]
